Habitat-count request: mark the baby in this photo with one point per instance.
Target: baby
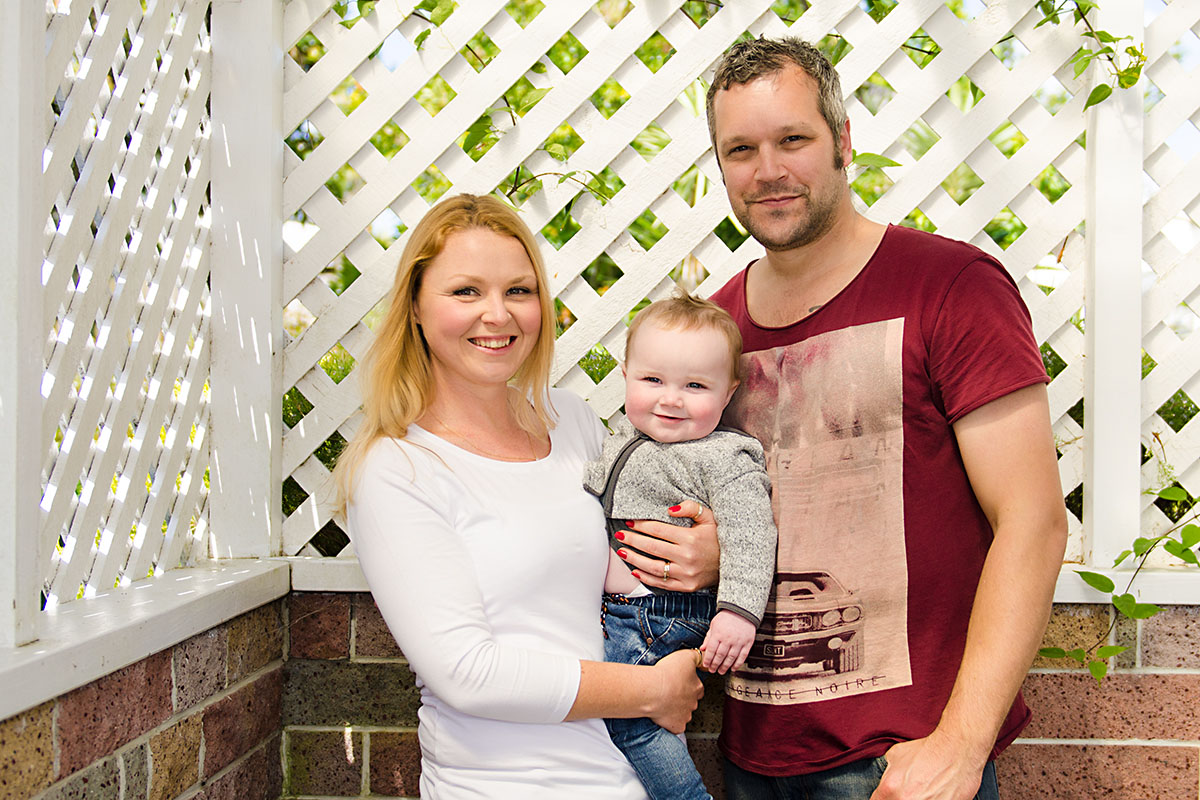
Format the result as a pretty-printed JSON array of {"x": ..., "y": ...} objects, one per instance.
[{"x": 681, "y": 368}]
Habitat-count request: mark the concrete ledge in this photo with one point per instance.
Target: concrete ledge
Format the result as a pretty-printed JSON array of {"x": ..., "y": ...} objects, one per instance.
[{"x": 84, "y": 640}]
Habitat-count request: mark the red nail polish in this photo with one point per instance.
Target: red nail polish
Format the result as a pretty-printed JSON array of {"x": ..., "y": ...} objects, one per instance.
[
  {"x": 674, "y": 508},
  {"x": 622, "y": 554},
  {"x": 635, "y": 574},
  {"x": 619, "y": 536},
  {"x": 628, "y": 523}
]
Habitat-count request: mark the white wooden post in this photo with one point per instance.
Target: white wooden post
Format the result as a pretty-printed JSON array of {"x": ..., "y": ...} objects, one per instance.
[
  {"x": 247, "y": 257},
  {"x": 1112, "y": 394},
  {"x": 22, "y": 30}
]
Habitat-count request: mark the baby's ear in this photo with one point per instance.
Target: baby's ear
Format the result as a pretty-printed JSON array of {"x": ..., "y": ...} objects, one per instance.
[{"x": 732, "y": 388}]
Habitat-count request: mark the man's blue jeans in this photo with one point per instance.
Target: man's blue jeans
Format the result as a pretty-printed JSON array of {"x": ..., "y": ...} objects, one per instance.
[
  {"x": 853, "y": 781},
  {"x": 642, "y": 630}
]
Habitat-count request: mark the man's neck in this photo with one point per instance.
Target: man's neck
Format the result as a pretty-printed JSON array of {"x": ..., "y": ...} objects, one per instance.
[{"x": 785, "y": 286}]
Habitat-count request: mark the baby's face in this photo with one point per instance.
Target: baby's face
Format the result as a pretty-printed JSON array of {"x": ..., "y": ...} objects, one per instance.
[{"x": 677, "y": 382}]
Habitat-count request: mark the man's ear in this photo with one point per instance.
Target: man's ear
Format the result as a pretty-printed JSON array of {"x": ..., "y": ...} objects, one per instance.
[{"x": 847, "y": 147}]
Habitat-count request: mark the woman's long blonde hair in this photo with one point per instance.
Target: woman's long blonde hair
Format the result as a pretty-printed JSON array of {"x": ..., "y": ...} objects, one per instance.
[{"x": 398, "y": 387}]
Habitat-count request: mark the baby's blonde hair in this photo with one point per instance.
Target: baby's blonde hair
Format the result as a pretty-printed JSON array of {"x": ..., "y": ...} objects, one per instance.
[{"x": 688, "y": 312}]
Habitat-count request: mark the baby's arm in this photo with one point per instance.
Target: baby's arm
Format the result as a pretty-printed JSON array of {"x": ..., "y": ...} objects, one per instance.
[
  {"x": 619, "y": 579},
  {"x": 728, "y": 642}
]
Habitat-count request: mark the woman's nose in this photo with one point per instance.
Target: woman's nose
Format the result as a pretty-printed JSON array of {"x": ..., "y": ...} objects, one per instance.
[{"x": 496, "y": 311}]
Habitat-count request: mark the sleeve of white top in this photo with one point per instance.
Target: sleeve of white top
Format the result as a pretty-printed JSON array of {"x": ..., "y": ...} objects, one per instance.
[{"x": 413, "y": 559}]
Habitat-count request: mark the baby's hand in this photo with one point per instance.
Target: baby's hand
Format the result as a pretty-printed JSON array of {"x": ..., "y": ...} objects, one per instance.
[{"x": 728, "y": 642}]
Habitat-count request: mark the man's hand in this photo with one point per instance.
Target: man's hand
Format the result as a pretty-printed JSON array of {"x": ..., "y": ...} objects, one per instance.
[
  {"x": 728, "y": 642},
  {"x": 692, "y": 553},
  {"x": 930, "y": 769}
]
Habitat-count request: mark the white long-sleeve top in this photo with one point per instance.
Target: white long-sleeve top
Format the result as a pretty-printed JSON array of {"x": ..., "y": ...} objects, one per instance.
[{"x": 489, "y": 574}]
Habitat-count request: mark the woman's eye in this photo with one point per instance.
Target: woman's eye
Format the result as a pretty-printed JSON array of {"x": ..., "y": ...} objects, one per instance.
[
  {"x": 520, "y": 290},
  {"x": 466, "y": 291}
]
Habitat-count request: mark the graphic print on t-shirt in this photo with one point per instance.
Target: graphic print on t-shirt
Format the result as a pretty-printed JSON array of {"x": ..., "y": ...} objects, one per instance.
[{"x": 829, "y": 413}]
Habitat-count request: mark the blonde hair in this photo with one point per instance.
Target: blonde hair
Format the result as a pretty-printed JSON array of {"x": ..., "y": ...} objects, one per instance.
[
  {"x": 688, "y": 312},
  {"x": 398, "y": 385}
]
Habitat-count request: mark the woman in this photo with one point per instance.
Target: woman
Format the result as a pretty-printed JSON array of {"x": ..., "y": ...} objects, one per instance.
[{"x": 463, "y": 495}]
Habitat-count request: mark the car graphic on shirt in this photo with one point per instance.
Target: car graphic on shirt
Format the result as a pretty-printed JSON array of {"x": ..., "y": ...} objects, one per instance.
[{"x": 811, "y": 619}]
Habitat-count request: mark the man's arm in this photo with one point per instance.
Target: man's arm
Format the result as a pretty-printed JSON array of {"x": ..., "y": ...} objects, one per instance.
[{"x": 1009, "y": 454}]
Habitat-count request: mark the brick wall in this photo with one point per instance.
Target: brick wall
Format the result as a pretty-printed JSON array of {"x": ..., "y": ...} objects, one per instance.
[
  {"x": 200, "y": 721},
  {"x": 350, "y": 706},
  {"x": 1136, "y": 736}
]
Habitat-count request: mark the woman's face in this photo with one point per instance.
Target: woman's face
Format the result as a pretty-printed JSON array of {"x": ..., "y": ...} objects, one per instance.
[{"x": 479, "y": 309}]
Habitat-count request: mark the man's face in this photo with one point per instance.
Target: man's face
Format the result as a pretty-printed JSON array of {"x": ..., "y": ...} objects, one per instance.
[{"x": 782, "y": 171}]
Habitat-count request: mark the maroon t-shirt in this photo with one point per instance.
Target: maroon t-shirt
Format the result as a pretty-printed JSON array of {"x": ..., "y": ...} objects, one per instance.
[{"x": 881, "y": 540}]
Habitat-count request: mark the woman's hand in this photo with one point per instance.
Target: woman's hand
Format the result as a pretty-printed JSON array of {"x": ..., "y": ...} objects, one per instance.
[
  {"x": 680, "y": 690},
  {"x": 681, "y": 559}
]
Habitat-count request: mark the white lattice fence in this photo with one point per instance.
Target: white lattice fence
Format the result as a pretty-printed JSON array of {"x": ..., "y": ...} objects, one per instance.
[
  {"x": 1171, "y": 253},
  {"x": 125, "y": 290},
  {"x": 988, "y": 133}
]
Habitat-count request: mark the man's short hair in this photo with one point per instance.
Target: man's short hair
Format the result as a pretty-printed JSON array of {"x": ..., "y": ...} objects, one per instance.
[
  {"x": 755, "y": 58},
  {"x": 688, "y": 312}
]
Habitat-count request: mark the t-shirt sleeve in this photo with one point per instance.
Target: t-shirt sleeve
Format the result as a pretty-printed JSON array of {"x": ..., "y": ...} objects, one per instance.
[
  {"x": 982, "y": 346},
  {"x": 402, "y": 523}
]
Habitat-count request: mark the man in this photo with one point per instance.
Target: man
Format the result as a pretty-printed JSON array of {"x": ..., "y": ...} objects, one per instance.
[{"x": 895, "y": 382}]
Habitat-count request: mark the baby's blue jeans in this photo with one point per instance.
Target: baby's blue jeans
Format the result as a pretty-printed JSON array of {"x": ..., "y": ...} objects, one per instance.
[{"x": 642, "y": 630}]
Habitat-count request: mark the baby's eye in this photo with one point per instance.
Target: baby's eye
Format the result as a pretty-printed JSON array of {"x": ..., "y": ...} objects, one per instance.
[
  {"x": 650, "y": 379},
  {"x": 695, "y": 385}
]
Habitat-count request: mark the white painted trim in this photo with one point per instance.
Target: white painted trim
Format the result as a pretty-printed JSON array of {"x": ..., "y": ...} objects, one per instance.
[
  {"x": 1166, "y": 586},
  {"x": 1113, "y": 291},
  {"x": 22, "y": 333},
  {"x": 88, "y": 639},
  {"x": 311, "y": 574},
  {"x": 247, "y": 280}
]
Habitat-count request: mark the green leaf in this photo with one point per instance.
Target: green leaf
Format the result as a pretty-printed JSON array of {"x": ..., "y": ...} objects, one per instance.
[
  {"x": 557, "y": 151},
  {"x": 1104, "y": 36},
  {"x": 1190, "y": 535},
  {"x": 421, "y": 37},
  {"x": 530, "y": 100},
  {"x": 1124, "y": 603},
  {"x": 1098, "y": 95},
  {"x": 1173, "y": 493},
  {"x": 442, "y": 11},
  {"x": 1110, "y": 650},
  {"x": 1142, "y": 545},
  {"x": 341, "y": 8},
  {"x": 479, "y": 130},
  {"x": 538, "y": 67},
  {"x": 1098, "y": 669},
  {"x": 365, "y": 7},
  {"x": 1128, "y": 77},
  {"x": 1101, "y": 583},
  {"x": 1144, "y": 610},
  {"x": 1179, "y": 551},
  {"x": 566, "y": 176},
  {"x": 1124, "y": 555},
  {"x": 1128, "y": 606},
  {"x": 1078, "y": 654},
  {"x": 1052, "y": 652},
  {"x": 873, "y": 160}
]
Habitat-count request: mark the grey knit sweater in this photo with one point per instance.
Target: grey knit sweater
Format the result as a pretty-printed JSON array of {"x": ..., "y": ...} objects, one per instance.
[{"x": 724, "y": 471}]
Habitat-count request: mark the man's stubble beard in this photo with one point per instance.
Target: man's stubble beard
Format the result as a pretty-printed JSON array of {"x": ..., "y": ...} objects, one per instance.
[{"x": 815, "y": 222}]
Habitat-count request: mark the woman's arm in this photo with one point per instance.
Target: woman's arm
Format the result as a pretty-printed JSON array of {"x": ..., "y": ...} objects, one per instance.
[
  {"x": 666, "y": 692},
  {"x": 692, "y": 552}
]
